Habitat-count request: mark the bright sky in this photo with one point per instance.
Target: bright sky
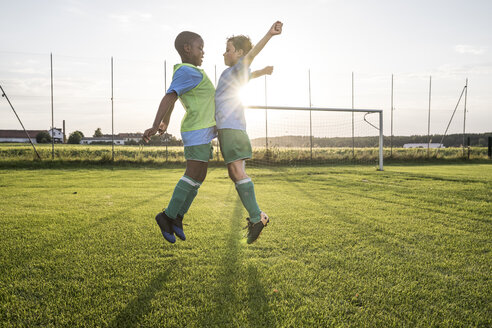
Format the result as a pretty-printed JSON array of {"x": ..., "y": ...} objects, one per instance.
[{"x": 447, "y": 39}]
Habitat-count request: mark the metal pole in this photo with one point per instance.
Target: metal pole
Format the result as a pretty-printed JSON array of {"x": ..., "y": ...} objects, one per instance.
[
  {"x": 27, "y": 134},
  {"x": 310, "y": 116},
  {"x": 165, "y": 76},
  {"x": 391, "y": 137},
  {"x": 450, "y": 120},
  {"x": 353, "y": 134},
  {"x": 266, "y": 116},
  {"x": 381, "y": 141},
  {"x": 215, "y": 84},
  {"x": 52, "y": 112},
  {"x": 112, "y": 112},
  {"x": 464, "y": 118},
  {"x": 166, "y": 139},
  {"x": 429, "y": 118}
]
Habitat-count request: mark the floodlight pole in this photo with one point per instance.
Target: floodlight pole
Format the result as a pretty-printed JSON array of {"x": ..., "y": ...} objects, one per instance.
[
  {"x": 353, "y": 134},
  {"x": 266, "y": 116},
  {"x": 112, "y": 113},
  {"x": 429, "y": 118},
  {"x": 450, "y": 120},
  {"x": 310, "y": 116},
  {"x": 381, "y": 140},
  {"x": 52, "y": 112},
  {"x": 166, "y": 139},
  {"x": 27, "y": 134},
  {"x": 391, "y": 136},
  {"x": 464, "y": 118},
  {"x": 215, "y": 84}
]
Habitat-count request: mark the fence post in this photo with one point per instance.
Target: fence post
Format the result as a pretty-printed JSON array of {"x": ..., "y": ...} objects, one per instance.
[
  {"x": 112, "y": 113},
  {"x": 52, "y": 112},
  {"x": 490, "y": 147}
]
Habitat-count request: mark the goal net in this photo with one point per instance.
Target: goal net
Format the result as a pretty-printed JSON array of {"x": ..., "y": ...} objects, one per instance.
[{"x": 314, "y": 136}]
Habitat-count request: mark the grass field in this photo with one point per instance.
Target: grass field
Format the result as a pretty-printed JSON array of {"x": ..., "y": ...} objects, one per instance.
[
  {"x": 18, "y": 154},
  {"x": 346, "y": 246}
]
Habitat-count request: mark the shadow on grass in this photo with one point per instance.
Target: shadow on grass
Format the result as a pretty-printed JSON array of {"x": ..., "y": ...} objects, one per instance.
[
  {"x": 259, "y": 309},
  {"x": 48, "y": 246},
  {"x": 133, "y": 312},
  {"x": 225, "y": 298},
  {"x": 228, "y": 301}
]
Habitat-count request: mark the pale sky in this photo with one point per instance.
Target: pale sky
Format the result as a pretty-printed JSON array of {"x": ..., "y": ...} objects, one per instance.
[{"x": 447, "y": 39}]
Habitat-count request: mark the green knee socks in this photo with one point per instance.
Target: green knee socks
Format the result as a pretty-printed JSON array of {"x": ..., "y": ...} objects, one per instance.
[
  {"x": 184, "y": 193},
  {"x": 246, "y": 190}
]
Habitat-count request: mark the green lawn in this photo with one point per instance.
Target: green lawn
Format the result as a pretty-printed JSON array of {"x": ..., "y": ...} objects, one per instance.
[{"x": 346, "y": 246}]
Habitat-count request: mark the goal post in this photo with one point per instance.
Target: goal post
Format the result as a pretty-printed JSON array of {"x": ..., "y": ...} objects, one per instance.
[{"x": 290, "y": 112}]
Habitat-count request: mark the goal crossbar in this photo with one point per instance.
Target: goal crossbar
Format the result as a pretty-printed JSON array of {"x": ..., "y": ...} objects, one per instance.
[{"x": 321, "y": 109}]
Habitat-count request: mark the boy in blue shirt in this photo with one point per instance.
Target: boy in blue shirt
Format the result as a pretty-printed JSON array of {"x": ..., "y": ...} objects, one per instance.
[
  {"x": 192, "y": 86},
  {"x": 231, "y": 124}
]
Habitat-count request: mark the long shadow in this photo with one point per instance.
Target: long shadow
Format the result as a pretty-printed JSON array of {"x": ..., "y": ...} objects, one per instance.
[
  {"x": 259, "y": 309},
  {"x": 225, "y": 298},
  {"x": 133, "y": 312},
  {"x": 98, "y": 223}
]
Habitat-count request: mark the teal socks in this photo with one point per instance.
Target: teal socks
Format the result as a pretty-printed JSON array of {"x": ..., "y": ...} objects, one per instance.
[
  {"x": 184, "y": 193},
  {"x": 187, "y": 203},
  {"x": 246, "y": 190}
]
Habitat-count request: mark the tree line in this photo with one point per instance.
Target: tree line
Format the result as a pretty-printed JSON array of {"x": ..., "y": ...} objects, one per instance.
[{"x": 452, "y": 140}]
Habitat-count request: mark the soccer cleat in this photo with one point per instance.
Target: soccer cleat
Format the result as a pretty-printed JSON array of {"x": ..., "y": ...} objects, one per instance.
[
  {"x": 178, "y": 227},
  {"x": 254, "y": 229},
  {"x": 165, "y": 223}
]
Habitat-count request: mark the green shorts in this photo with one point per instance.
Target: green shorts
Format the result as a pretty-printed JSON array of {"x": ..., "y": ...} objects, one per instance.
[
  {"x": 201, "y": 153},
  {"x": 234, "y": 145}
]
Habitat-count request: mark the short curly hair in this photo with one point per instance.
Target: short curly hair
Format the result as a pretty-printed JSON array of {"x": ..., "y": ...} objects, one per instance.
[
  {"x": 185, "y": 37},
  {"x": 241, "y": 42}
]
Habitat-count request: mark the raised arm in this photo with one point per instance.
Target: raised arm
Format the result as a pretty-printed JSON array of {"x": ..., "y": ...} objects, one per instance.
[
  {"x": 162, "y": 117},
  {"x": 268, "y": 70},
  {"x": 276, "y": 29}
]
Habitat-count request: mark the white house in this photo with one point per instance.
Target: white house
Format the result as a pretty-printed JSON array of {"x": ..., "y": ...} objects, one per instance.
[
  {"x": 18, "y": 135},
  {"x": 56, "y": 134},
  {"x": 423, "y": 145},
  {"x": 130, "y": 136}
]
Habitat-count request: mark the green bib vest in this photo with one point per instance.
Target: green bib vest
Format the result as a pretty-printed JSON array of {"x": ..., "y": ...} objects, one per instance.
[{"x": 199, "y": 103}]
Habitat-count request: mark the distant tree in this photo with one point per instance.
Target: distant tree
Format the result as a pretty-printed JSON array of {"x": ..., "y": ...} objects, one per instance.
[
  {"x": 98, "y": 133},
  {"x": 80, "y": 132},
  {"x": 43, "y": 137},
  {"x": 75, "y": 137}
]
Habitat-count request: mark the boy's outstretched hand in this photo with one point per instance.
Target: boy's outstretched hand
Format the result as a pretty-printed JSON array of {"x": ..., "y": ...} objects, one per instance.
[
  {"x": 152, "y": 131},
  {"x": 268, "y": 70},
  {"x": 149, "y": 133},
  {"x": 276, "y": 28}
]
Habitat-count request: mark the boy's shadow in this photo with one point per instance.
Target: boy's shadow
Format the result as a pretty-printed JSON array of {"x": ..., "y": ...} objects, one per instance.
[
  {"x": 228, "y": 301},
  {"x": 133, "y": 312}
]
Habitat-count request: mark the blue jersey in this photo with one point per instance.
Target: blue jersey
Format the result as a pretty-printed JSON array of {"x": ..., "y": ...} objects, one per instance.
[
  {"x": 229, "y": 111},
  {"x": 185, "y": 79}
]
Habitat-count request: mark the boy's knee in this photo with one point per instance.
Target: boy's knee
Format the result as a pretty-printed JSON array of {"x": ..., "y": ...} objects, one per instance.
[
  {"x": 236, "y": 172},
  {"x": 196, "y": 170}
]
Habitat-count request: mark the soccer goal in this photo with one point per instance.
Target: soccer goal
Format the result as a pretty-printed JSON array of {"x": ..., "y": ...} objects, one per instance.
[{"x": 297, "y": 135}]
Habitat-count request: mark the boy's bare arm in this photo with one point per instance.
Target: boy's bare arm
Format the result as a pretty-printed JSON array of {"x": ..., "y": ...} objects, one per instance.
[
  {"x": 162, "y": 117},
  {"x": 268, "y": 70},
  {"x": 276, "y": 29}
]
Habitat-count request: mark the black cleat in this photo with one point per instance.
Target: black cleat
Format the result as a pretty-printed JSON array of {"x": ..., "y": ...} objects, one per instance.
[
  {"x": 254, "y": 229},
  {"x": 166, "y": 223},
  {"x": 178, "y": 227}
]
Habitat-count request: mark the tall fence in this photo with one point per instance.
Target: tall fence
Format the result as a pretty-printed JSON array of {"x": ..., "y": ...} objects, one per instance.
[{"x": 122, "y": 95}]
